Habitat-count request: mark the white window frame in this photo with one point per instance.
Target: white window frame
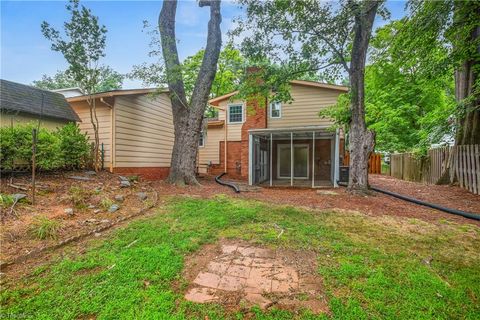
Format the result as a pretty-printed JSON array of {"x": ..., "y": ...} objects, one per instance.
[
  {"x": 279, "y": 110},
  {"x": 228, "y": 113},
  {"x": 202, "y": 135}
]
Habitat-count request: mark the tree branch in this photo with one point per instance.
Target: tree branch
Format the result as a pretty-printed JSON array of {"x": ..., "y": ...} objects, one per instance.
[
  {"x": 166, "y": 25},
  {"x": 208, "y": 69}
]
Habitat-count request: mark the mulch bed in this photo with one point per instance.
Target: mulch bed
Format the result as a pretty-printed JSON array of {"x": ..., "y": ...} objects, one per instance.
[
  {"x": 53, "y": 196},
  {"x": 375, "y": 204}
]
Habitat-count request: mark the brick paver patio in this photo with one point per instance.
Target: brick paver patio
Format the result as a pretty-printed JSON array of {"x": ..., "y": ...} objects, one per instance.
[{"x": 255, "y": 273}]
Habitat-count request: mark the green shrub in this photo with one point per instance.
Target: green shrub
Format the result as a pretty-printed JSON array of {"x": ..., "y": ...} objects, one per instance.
[
  {"x": 64, "y": 148},
  {"x": 48, "y": 156},
  {"x": 74, "y": 146},
  {"x": 43, "y": 228}
]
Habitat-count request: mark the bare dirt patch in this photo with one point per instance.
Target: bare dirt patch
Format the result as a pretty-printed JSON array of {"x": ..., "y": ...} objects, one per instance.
[
  {"x": 90, "y": 200},
  {"x": 239, "y": 275}
]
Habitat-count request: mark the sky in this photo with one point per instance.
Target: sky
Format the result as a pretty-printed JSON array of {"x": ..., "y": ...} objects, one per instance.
[{"x": 26, "y": 54}]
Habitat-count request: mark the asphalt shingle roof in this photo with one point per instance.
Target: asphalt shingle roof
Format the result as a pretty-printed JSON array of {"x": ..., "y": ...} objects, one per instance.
[{"x": 22, "y": 98}]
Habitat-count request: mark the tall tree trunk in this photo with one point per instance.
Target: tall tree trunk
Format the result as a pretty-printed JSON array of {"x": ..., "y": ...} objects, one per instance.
[
  {"x": 361, "y": 140},
  {"x": 96, "y": 136},
  {"x": 188, "y": 117},
  {"x": 467, "y": 92}
]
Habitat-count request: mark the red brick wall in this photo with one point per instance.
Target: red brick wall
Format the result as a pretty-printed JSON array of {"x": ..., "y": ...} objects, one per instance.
[
  {"x": 256, "y": 118},
  {"x": 148, "y": 173},
  {"x": 233, "y": 160}
]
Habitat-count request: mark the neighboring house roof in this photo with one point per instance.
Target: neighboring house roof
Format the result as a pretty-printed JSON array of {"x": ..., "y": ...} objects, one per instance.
[
  {"x": 217, "y": 100},
  {"x": 114, "y": 93},
  {"x": 69, "y": 92},
  {"x": 18, "y": 97}
]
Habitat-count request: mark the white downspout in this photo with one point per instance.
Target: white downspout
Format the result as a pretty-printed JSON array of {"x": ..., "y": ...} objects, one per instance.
[
  {"x": 336, "y": 172},
  {"x": 250, "y": 155}
]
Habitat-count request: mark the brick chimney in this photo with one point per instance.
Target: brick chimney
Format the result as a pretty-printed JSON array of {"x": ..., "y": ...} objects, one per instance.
[{"x": 255, "y": 118}]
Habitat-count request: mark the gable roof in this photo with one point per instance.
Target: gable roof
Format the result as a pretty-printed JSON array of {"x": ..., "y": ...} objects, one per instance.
[
  {"x": 114, "y": 93},
  {"x": 217, "y": 100},
  {"x": 22, "y": 98}
]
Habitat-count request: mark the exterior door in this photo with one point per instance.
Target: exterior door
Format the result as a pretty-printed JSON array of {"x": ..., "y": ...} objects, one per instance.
[{"x": 300, "y": 161}]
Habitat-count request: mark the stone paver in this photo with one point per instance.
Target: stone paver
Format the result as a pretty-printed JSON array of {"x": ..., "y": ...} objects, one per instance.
[
  {"x": 229, "y": 283},
  {"x": 217, "y": 267},
  {"x": 238, "y": 271},
  {"x": 252, "y": 272},
  {"x": 201, "y": 295},
  {"x": 207, "y": 279}
]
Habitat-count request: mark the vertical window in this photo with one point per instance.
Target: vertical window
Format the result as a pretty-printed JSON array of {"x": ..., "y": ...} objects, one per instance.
[
  {"x": 275, "y": 109},
  {"x": 201, "y": 140},
  {"x": 235, "y": 113}
]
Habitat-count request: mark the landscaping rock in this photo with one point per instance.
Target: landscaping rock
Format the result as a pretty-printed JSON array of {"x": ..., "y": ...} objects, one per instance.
[
  {"x": 91, "y": 206},
  {"x": 327, "y": 192},
  {"x": 79, "y": 178},
  {"x": 124, "y": 184},
  {"x": 97, "y": 234},
  {"x": 68, "y": 211},
  {"x": 18, "y": 196},
  {"x": 122, "y": 178},
  {"x": 96, "y": 211},
  {"x": 142, "y": 195},
  {"x": 113, "y": 208},
  {"x": 105, "y": 221},
  {"x": 119, "y": 198}
]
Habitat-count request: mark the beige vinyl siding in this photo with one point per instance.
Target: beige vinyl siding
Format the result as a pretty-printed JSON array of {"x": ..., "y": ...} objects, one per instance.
[
  {"x": 144, "y": 132},
  {"x": 8, "y": 119},
  {"x": 303, "y": 110},
  {"x": 210, "y": 152},
  {"x": 104, "y": 115},
  {"x": 234, "y": 130}
]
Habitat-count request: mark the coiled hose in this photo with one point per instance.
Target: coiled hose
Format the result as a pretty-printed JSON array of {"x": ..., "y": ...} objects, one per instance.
[{"x": 224, "y": 183}]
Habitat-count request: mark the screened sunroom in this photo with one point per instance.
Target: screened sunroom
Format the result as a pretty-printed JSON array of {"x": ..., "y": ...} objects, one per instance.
[{"x": 294, "y": 157}]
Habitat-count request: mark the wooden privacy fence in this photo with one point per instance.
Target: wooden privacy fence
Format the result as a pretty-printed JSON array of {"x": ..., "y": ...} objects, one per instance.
[
  {"x": 441, "y": 165},
  {"x": 374, "y": 162}
]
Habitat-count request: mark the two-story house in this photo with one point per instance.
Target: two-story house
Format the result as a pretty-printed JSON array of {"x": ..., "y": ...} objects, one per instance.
[{"x": 275, "y": 144}]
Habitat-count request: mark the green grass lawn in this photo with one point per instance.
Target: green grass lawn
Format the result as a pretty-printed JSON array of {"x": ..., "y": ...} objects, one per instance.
[{"x": 372, "y": 267}]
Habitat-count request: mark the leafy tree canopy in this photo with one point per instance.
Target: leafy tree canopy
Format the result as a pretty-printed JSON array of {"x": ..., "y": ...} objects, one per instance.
[
  {"x": 408, "y": 106},
  {"x": 230, "y": 69},
  {"x": 108, "y": 79}
]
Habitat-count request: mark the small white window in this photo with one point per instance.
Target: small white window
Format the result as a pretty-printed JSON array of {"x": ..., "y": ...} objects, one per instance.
[
  {"x": 275, "y": 109},
  {"x": 235, "y": 113},
  {"x": 201, "y": 140}
]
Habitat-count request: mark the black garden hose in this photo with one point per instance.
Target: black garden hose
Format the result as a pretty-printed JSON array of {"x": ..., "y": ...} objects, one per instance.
[
  {"x": 469, "y": 215},
  {"x": 228, "y": 184}
]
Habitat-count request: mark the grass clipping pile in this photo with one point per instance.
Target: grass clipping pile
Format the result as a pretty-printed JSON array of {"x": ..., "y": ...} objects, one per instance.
[
  {"x": 68, "y": 206},
  {"x": 239, "y": 275}
]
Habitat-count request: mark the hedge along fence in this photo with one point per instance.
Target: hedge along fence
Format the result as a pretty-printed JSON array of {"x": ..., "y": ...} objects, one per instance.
[{"x": 64, "y": 148}]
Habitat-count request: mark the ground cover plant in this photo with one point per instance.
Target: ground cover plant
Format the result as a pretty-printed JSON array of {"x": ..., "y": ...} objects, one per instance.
[{"x": 372, "y": 267}]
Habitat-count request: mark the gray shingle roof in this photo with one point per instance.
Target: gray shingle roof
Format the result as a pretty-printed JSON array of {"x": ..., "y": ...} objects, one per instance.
[{"x": 22, "y": 98}]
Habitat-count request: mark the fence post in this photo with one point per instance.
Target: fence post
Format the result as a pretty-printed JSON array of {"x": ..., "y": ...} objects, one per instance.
[{"x": 34, "y": 151}]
